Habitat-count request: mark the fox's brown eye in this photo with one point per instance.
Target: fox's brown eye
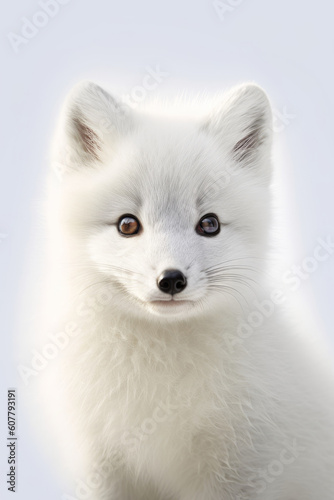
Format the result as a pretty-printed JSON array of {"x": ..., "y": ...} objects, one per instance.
[
  {"x": 208, "y": 225},
  {"x": 128, "y": 225}
]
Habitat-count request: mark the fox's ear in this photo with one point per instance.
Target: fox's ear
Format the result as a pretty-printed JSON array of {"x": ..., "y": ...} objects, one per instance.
[
  {"x": 90, "y": 124},
  {"x": 243, "y": 124}
]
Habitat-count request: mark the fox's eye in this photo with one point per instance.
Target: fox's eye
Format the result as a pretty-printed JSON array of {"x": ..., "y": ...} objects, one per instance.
[
  {"x": 208, "y": 225},
  {"x": 128, "y": 225}
]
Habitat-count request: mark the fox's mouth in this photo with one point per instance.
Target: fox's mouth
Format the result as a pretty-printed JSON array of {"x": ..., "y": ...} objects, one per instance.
[
  {"x": 169, "y": 305},
  {"x": 161, "y": 306},
  {"x": 169, "y": 302}
]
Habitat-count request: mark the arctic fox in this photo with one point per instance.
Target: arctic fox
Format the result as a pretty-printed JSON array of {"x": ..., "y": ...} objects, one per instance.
[{"x": 173, "y": 386}]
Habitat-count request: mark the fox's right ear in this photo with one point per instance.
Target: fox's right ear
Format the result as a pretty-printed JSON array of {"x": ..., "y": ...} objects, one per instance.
[{"x": 91, "y": 123}]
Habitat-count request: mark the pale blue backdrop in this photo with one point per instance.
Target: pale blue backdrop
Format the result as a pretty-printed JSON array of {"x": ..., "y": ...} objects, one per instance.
[{"x": 287, "y": 47}]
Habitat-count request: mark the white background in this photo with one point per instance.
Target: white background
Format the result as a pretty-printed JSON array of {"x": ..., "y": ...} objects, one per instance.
[{"x": 285, "y": 46}]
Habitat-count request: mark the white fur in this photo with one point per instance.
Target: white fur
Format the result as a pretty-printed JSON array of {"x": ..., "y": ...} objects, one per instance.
[{"x": 175, "y": 403}]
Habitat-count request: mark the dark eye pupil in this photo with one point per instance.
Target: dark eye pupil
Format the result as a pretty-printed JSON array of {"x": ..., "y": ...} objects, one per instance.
[
  {"x": 208, "y": 225},
  {"x": 128, "y": 225}
]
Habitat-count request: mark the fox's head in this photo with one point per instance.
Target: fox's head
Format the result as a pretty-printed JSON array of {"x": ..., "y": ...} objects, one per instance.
[{"x": 170, "y": 215}]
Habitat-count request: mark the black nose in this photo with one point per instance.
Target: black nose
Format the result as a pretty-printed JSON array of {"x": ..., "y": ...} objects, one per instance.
[{"x": 172, "y": 281}]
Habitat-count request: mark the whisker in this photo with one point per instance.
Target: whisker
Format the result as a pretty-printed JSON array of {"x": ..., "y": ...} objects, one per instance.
[
  {"x": 223, "y": 288},
  {"x": 225, "y": 262},
  {"x": 237, "y": 277},
  {"x": 107, "y": 266},
  {"x": 94, "y": 284}
]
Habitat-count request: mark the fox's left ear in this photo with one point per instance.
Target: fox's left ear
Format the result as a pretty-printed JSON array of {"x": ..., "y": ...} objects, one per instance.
[{"x": 243, "y": 124}]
